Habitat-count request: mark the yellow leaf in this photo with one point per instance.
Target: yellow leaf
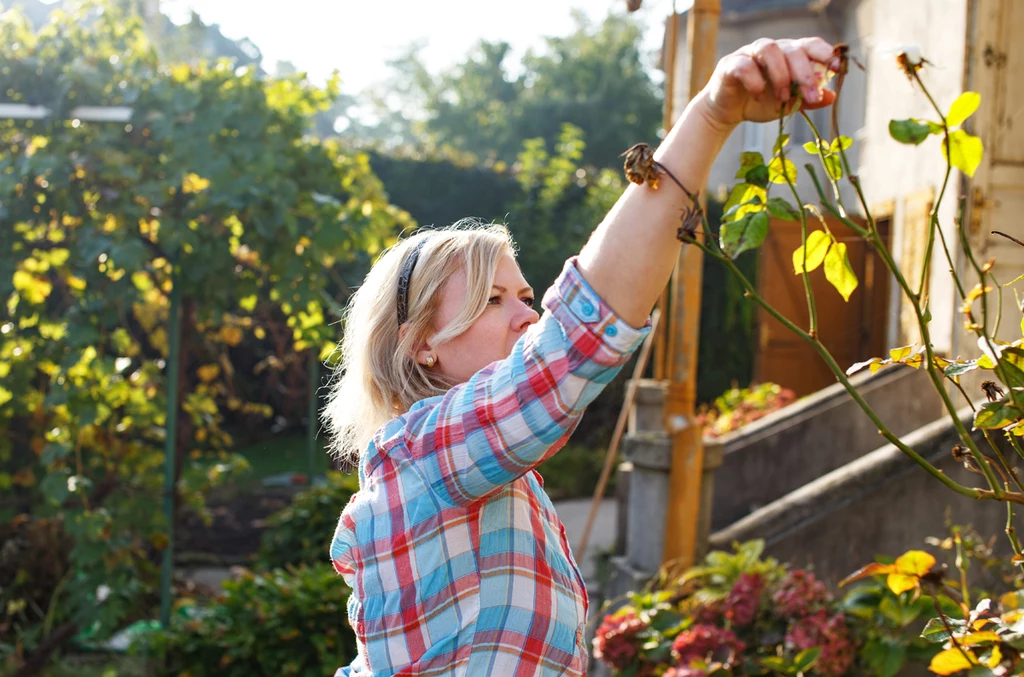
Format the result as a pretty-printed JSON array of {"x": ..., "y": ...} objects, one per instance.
[
  {"x": 818, "y": 243},
  {"x": 977, "y": 638},
  {"x": 951, "y": 660},
  {"x": 901, "y": 353},
  {"x": 915, "y": 563},
  {"x": 193, "y": 183},
  {"x": 33, "y": 289},
  {"x": 962, "y": 108},
  {"x": 5, "y": 396},
  {"x": 965, "y": 151},
  {"x": 839, "y": 272},
  {"x": 232, "y": 336},
  {"x": 995, "y": 657},
  {"x": 779, "y": 173},
  {"x": 208, "y": 372},
  {"x": 900, "y": 583}
]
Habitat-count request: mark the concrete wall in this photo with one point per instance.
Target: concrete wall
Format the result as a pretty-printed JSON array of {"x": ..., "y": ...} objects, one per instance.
[
  {"x": 881, "y": 504},
  {"x": 773, "y": 456}
]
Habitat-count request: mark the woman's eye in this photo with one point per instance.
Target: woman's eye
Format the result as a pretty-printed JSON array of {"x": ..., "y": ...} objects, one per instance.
[
  {"x": 494, "y": 300},
  {"x": 529, "y": 301}
]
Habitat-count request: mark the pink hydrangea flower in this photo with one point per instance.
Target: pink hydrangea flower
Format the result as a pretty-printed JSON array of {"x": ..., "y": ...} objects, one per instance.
[
  {"x": 828, "y": 632},
  {"x": 701, "y": 641},
  {"x": 744, "y": 599},
  {"x": 615, "y": 640},
  {"x": 800, "y": 594}
]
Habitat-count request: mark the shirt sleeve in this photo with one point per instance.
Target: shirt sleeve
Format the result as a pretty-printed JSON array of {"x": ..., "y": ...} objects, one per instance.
[{"x": 515, "y": 413}]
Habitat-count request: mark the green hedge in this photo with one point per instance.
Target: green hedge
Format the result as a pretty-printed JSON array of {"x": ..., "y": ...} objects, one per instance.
[
  {"x": 301, "y": 533},
  {"x": 284, "y": 622}
]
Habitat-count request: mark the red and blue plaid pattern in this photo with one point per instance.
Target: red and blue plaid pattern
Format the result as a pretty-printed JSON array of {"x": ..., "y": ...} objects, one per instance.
[{"x": 457, "y": 561}]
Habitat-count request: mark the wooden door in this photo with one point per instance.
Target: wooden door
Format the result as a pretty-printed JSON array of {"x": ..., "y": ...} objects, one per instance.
[
  {"x": 997, "y": 191},
  {"x": 852, "y": 331}
]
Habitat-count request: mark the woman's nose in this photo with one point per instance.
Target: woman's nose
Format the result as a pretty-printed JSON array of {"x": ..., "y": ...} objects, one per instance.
[{"x": 526, "y": 317}]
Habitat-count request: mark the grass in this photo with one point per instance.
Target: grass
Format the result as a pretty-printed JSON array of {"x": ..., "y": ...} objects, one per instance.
[{"x": 285, "y": 453}]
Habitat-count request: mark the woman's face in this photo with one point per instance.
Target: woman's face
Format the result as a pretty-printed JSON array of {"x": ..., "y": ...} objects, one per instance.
[{"x": 508, "y": 314}]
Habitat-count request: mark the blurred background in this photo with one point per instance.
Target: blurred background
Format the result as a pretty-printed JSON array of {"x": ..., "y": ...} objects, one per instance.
[{"x": 189, "y": 192}]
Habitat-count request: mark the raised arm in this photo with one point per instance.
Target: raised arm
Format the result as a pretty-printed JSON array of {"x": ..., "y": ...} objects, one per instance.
[{"x": 630, "y": 256}]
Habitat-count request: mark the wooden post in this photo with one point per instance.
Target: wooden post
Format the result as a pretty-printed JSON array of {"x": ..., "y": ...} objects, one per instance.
[
  {"x": 682, "y": 513},
  {"x": 661, "y": 359}
]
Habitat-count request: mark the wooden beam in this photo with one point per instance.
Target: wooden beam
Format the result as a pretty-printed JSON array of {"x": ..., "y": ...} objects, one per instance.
[{"x": 683, "y": 510}]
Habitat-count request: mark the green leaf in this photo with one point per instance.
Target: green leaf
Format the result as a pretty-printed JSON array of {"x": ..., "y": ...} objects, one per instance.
[
  {"x": 806, "y": 658},
  {"x": 935, "y": 631},
  {"x": 813, "y": 147},
  {"x": 841, "y": 143},
  {"x": 782, "y": 171},
  {"x": 839, "y": 272},
  {"x": 758, "y": 176},
  {"x": 748, "y": 161},
  {"x": 994, "y": 415},
  {"x": 909, "y": 131},
  {"x": 53, "y": 452},
  {"x": 741, "y": 193},
  {"x": 834, "y": 166},
  {"x": 747, "y": 233},
  {"x": 781, "y": 209},
  {"x": 780, "y": 143},
  {"x": 818, "y": 243},
  {"x": 959, "y": 368},
  {"x": 965, "y": 151},
  {"x": 962, "y": 108}
]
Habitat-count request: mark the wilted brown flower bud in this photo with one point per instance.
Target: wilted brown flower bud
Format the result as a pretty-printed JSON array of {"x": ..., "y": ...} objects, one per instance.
[
  {"x": 992, "y": 391},
  {"x": 963, "y": 455},
  {"x": 639, "y": 165}
]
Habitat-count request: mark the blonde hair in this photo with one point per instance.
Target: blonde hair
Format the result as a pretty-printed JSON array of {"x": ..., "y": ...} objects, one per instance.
[{"x": 378, "y": 378}]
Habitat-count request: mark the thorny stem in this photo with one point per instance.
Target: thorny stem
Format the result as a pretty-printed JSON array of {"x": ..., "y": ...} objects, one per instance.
[
  {"x": 1012, "y": 439},
  {"x": 937, "y": 381},
  {"x": 952, "y": 637},
  {"x": 965, "y": 591},
  {"x": 841, "y": 377},
  {"x": 982, "y": 273},
  {"x": 1011, "y": 533},
  {"x": 812, "y": 311}
]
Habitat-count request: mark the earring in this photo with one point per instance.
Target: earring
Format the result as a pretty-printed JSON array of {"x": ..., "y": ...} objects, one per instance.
[{"x": 430, "y": 361}]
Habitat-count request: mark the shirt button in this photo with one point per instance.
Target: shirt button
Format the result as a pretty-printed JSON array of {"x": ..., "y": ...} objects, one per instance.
[
  {"x": 611, "y": 330},
  {"x": 587, "y": 308}
]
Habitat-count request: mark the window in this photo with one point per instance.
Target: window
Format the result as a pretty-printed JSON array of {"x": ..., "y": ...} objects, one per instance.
[{"x": 753, "y": 137}]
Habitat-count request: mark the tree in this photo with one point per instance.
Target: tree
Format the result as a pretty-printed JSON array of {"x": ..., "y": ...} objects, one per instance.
[
  {"x": 593, "y": 78},
  {"x": 213, "y": 189}
]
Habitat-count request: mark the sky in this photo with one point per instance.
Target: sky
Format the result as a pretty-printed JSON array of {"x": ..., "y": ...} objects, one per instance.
[{"x": 357, "y": 37}]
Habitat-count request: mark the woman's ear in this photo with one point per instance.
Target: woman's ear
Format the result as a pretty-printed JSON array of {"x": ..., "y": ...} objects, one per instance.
[{"x": 422, "y": 353}]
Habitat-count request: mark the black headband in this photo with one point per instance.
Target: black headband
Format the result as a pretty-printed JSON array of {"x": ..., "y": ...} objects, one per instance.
[{"x": 403, "y": 281}]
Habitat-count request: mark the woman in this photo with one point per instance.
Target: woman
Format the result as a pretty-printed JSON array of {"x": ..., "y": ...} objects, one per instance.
[{"x": 454, "y": 389}]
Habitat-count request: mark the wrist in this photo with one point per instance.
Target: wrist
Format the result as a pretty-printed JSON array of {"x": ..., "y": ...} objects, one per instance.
[{"x": 711, "y": 116}]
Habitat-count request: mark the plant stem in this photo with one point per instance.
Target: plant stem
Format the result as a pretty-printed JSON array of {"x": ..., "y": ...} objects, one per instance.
[
  {"x": 812, "y": 310},
  {"x": 1011, "y": 533},
  {"x": 842, "y": 378},
  {"x": 890, "y": 263},
  {"x": 952, "y": 638}
]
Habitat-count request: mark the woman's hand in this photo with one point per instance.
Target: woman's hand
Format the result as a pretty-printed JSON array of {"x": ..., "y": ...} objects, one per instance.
[{"x": 753, "y": 82}]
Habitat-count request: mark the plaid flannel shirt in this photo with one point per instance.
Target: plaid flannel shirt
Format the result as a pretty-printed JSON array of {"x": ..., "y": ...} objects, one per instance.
[{"x": 457, "y": 561}]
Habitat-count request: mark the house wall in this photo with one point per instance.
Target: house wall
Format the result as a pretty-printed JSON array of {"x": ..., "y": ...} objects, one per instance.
[
  {"x": 895, "y": 178},
  {"x": 900, "y": 173}
]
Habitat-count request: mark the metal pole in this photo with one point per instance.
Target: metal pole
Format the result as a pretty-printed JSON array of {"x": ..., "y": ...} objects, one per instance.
[
  {"x": 683, "y": 510},
  {"x": 313, "y": 371},
  {"x": 170, "y": 449}
]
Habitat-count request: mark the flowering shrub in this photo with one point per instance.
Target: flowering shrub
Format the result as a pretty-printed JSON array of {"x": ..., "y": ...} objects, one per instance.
[
  {"x": 738, "y": 614},
  {"x": 737, "y": 407}
]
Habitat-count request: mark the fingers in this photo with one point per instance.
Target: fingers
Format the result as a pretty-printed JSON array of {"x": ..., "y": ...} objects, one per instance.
[
  {"x": 747, "y": 71},
  {"x": 769, "y": 55}
]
